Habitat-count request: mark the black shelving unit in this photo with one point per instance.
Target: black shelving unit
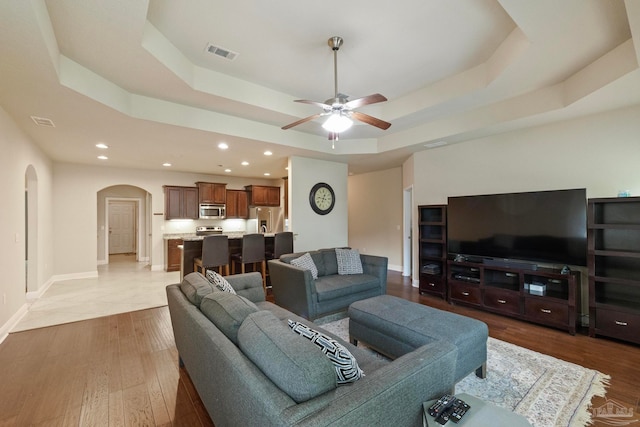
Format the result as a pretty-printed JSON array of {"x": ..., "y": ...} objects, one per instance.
[
  {"x": 614, "y": 268},
  {"x": 432, "y": 256}
]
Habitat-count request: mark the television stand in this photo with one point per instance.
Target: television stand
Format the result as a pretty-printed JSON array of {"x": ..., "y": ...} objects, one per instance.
[
  {"x": 541, "y": 295},
  {"x": 509, "y": 263}
]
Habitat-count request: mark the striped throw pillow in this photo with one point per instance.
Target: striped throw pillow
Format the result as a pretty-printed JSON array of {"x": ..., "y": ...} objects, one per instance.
[{"x": 346, "y": 366}]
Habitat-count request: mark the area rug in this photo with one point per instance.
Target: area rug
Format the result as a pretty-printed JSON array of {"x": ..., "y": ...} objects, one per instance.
[{"x": 549, "y": 392}]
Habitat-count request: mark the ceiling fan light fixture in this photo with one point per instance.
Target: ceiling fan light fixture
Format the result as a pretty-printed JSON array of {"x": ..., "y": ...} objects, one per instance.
[{"x": 337, "y": 123}]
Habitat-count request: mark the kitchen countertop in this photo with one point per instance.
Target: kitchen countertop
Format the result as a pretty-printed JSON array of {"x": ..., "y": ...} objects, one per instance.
[{"x": 192, "y": 236}]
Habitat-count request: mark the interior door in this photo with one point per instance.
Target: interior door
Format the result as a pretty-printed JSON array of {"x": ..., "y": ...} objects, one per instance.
[{"x": 122, "y": 230}]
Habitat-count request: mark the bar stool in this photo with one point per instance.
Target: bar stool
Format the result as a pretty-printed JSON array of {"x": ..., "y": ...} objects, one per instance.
[
  {"x": 252, "y": 253},
  {"x": 215, "y": 253},
  {"x": 282, "y": 244}
]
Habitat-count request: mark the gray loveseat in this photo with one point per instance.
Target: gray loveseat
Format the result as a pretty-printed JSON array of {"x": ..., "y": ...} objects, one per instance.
[
  {"x": 295, "y": 289},
  {"x": 252, "y": 370}
]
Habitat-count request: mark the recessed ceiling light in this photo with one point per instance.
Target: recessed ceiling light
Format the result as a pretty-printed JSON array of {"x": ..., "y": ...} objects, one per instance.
[
  {"x": 223, "y": 146},
  {"x": 103, "y": 157},
  {"x": 267, "y": 174},
  {"x": 167, "y": 164},
  {"x": 227, "y": 170},
  {"x": 102, "y": 146},
  {"x": 245, "y": 163},
  {"x": 268, "y": 153}
]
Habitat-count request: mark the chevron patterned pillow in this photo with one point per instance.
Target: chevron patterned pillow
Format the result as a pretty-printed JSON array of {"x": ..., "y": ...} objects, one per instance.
[
  {"x": 346, "y": 366},
  {"x": 220, "y": 282}
]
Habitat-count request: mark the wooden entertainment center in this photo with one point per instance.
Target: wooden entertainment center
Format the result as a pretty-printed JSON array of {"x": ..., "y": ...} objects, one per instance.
[
  {"x": 553, "y": 300},
  {"x": 542, "y": 296}
]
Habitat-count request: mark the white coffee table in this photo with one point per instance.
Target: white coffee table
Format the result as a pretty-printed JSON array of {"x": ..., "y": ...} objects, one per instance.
[{"x": 480, "y": 414}]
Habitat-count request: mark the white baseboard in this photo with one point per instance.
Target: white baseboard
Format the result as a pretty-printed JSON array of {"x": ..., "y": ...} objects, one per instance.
[
  {"x": 103, "y": 262},
  {"x": 395, "y": 268},
  {"x": 157, "y": 267},
  {"x": 12, "y": 322},
  {"x": 72, "y": 276},
  {"x": 34, "y": 295}
]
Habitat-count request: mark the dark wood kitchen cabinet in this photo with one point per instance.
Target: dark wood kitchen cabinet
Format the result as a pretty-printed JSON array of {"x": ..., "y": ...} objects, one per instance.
[
  {"x": 174, "y": 254},
  {"x": 212, "y": 192},
  {"x": 237, "y": 204},
  {"x": 263, "y": 195},
  {"x": 180, "y": 202}
]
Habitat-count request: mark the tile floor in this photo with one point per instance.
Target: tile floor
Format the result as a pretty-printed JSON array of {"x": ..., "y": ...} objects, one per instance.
[{"x": 123, "y": 285}]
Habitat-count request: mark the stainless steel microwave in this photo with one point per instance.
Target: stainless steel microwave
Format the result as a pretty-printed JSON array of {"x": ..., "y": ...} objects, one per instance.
[{"x": 208, "y": 211}]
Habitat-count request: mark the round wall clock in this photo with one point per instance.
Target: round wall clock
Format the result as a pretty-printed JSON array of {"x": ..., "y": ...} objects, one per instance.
[{"x": 322, "y": 198}]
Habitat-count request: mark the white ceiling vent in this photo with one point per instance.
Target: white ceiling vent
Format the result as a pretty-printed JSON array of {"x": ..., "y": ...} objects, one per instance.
[
  {"x": 41, "y": 121},
  {"x": 222, "y": 52},
  {"x": 435, "y": 144}
]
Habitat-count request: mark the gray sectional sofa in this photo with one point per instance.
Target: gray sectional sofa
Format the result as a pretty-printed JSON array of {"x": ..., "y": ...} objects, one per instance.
[
  {"x": 295, "y": 289},
  {"x": 250, "y": 369}
]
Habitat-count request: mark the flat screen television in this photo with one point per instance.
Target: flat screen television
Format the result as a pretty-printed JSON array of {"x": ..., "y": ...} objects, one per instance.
[{"x": 541, "y": 226}]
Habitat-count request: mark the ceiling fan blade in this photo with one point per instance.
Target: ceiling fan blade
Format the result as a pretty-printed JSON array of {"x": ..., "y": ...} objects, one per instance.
[
  {"x": 306, "y": 119},
  {"x": 371, "y": 99},
  {"x": 319, "y": 104},
  {"x": 370, "y": 120}
]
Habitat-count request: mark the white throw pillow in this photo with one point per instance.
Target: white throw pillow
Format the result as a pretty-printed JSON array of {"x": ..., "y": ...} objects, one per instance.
[
  {"x": 348, "y": 261},
  {"x": 220, "y": 282},
  {"x": 306, "y": 262},
  {"x": 346, "y": 366}
]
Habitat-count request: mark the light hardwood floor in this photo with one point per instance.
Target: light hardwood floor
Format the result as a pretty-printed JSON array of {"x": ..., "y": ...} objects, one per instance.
[{"x": 123, "y": 369}]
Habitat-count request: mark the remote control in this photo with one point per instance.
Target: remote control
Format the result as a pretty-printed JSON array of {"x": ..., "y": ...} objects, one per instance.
[
  {"x": 447, "y": 408},
  {"x": 441, "y": 404},
  {"x": 445, "y": 415},
  {"x": 461, "y": 408}
]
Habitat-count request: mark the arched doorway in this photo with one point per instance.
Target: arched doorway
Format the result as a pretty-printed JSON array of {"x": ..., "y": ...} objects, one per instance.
[
  {"x": 124, "y": 223},
  {"x": 31, "y": 229}
]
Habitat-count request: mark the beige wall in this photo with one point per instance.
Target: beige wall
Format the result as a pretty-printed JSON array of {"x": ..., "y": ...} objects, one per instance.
[
  {"x": 313, "y": 231},
  {"x": 375, "y": 214},
  {"x": 600, "y": 153},
  {"x": 19, "y": 154}
]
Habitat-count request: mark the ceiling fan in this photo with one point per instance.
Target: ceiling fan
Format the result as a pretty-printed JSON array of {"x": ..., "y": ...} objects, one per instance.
[{"x": 339, "y": 108}]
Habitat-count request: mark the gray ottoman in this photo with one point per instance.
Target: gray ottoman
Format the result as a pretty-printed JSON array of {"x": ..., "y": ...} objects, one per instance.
[{"x": 394, "y": 326}]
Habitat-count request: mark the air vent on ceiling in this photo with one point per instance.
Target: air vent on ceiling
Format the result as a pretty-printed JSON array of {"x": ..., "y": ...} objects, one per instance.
[
  {"x": 436, "y": 144},
  {"x": 41, "y": 121},
  {"x": 222, "y": 52}
]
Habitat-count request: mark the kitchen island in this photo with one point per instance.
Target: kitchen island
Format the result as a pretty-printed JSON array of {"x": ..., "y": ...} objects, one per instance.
[{"x": 192, "y": 247}]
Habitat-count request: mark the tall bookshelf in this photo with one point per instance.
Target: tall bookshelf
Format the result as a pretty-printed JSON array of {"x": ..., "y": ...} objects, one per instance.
[
  {"x": 432, "y": 249},
  {"x": 614, "y": 267}
]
